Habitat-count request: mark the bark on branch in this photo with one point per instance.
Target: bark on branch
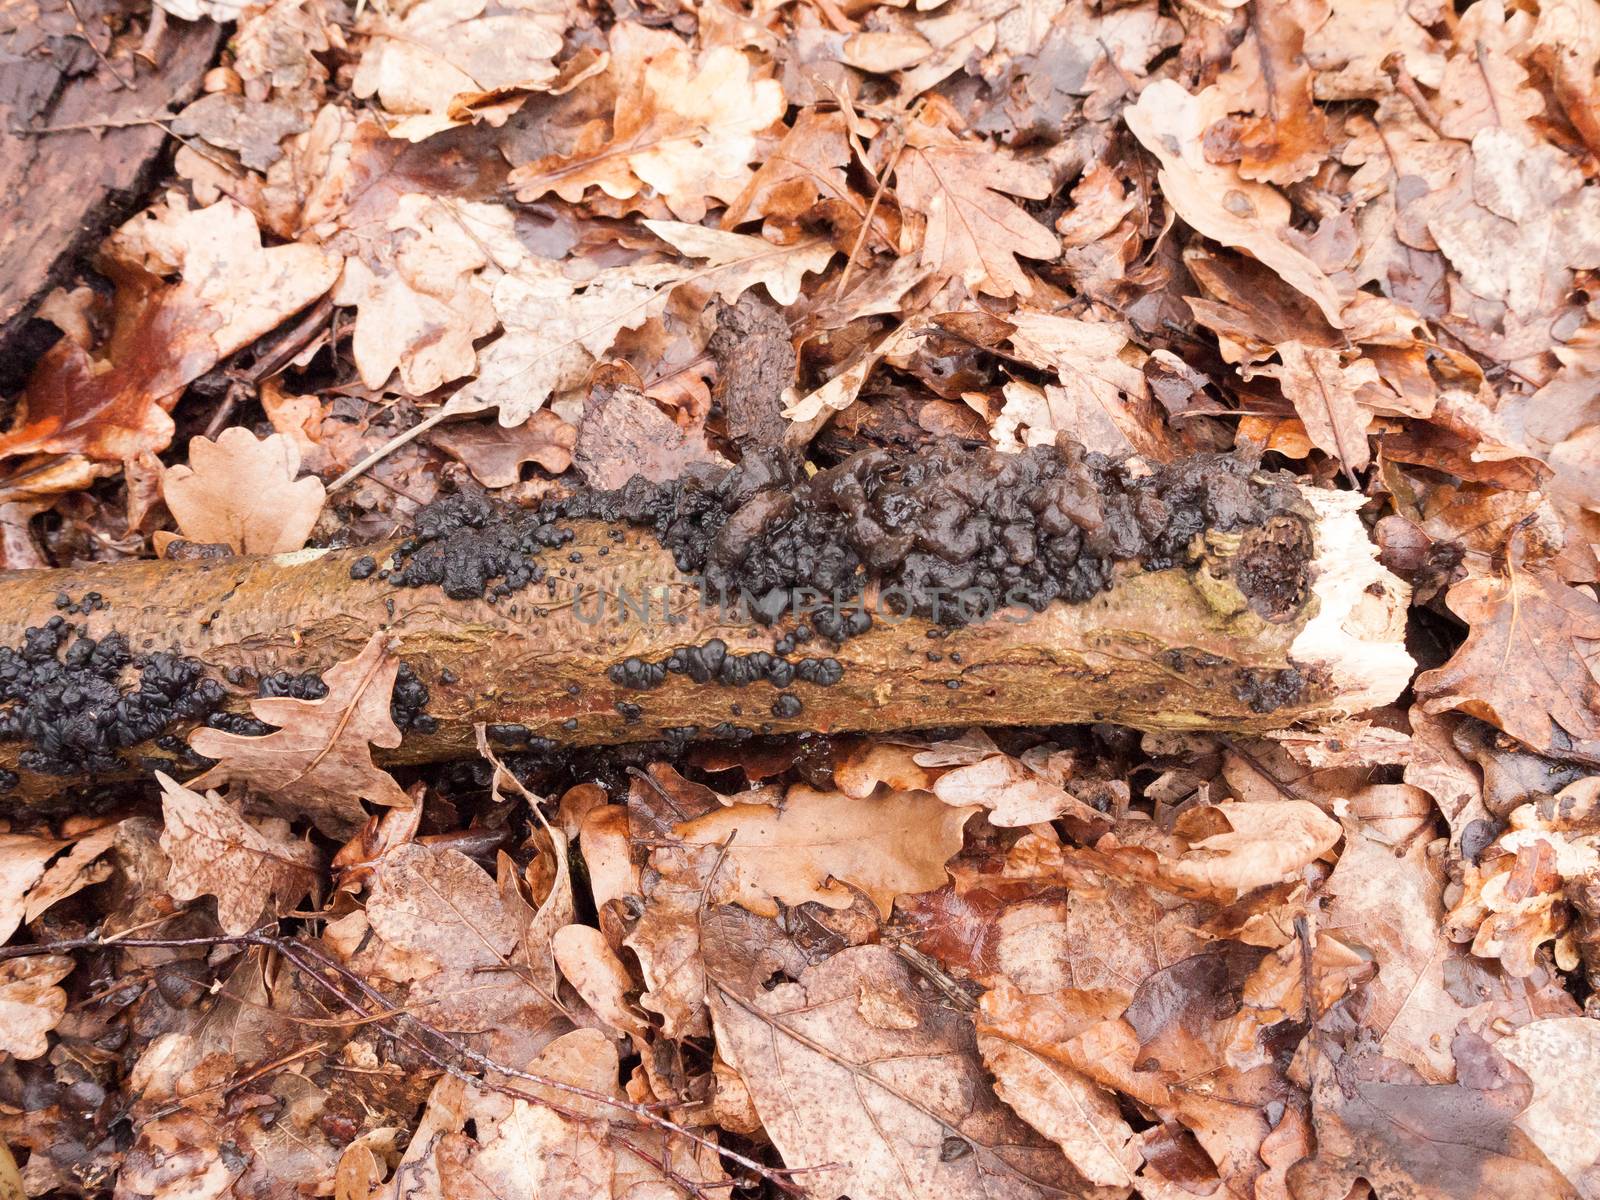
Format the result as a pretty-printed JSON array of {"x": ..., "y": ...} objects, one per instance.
[{"x": 1171, "y": 649}]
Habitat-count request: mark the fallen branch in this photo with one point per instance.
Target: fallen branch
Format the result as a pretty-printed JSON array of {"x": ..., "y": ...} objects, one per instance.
[{"x": 1172, "y": 649}]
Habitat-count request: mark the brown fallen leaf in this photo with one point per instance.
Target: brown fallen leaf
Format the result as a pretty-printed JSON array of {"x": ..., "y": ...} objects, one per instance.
[
  {"x": 78, "y": 868},
  {"x": 22, "y": 862},
  {"x": 862, "y": 1076},
  {"x": 318, "y": 764},
  {"x": 1379, "y": 1121},
  {"x": 250, "y": 868},
  {"x": 686, "y": 127},
  {"x": 973, "y": 232},
  {"x": 590, "y": 966},
  {"x": 31, "y": 1004},
  {"x": 818, "y": 842},
  {"x": 623, "y": 434},
  {"x": 243, "y": 492},
  {"x": 1559, "y": 1057},
  {"x": 165, "y": 335},
  {"x": 1288, "y": 137},
  {"x": 1214, "y": 198},
  {"x": 494, "y": 453},
  {"x": 737, "y": 261},
  {"x": 1526, "y": 664},
  {"x": 807, "y": 167},
  {"x": 1326, "y": 393},
  {"x": 439, "y": 63}
]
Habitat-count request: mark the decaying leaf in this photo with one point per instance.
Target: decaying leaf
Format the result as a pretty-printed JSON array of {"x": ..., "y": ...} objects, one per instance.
[
  {"x": 243, "y": 492},
  {"x": 31, "y": 1004},
  {"x": 819, "y": 842},
  {"x": 973, "y": 232},
  {"x": 686, "y": 129},
  {"x": 851, "y": 1067},
  {"x": 318, "y": 763},
  {"x": 214, "y": 851},
  {"x": 1526, "y": 666}
]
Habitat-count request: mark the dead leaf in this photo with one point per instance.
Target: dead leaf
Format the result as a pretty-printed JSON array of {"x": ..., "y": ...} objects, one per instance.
[
  {"x": 587, "y": 961},
  {"x": 806, "y": 168},
  {"x": 440, "y": 63},
  {"x": 214, "y": 851},
  {"x": 1326, "y": 391},
  {"x": 318, "y": 762},
  {"x": 1215, "y": 199},
  {"x": 624, "y": 434},
  {"x": 818, "y": 842},
  {"x": 973, "y": 232},
  {"x": 685, "y": 128},
  {"x": 898, "y": 1110},
  {"x": 1560, "y": 1057},
  {"x": 22, "y": 863},
  {"x": 243, "y": 492},
  {"x": 737, "y": 262},
  {"x": 232, "y": 290},
  {"x": 1526, "y": 664},
  {"x": 494, "y": 453},
  {"x": 31, "y": 1004}
]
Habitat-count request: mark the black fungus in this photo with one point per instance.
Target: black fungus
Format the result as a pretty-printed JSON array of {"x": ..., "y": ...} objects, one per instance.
[
  {"x": 630, "y": 713},
  {"x": 711, "y": 663},
  {"x": 509, "y": 734},
  {"x": 78, "y": 701},
  {"x": 364, "y": 567},
  {"x": 409, "y": 701},
  {"x": 465, "y": 542},
  {"x": 787, "y": 705}
]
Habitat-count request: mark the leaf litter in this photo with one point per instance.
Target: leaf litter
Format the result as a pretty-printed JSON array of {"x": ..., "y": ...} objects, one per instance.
[{"x": 409, "y": 250}]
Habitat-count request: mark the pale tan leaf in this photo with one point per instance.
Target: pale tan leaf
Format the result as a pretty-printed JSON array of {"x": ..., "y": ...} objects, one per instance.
[
  {"x": 318, "y": 763},
  {"x": 214, "y": 851},
  {"x": 22, "y": 861},
  {"x": 243, "y": 492},
  {"x": 31, "y": 1004},
  {"x": 973, "y": 232},
  {"x": 688, "y": 129},
  {"x": 1213, "y": 198},
  {"x": 1326, "y": 392},
  {"x": 590, "y": 966},
  {"x": 75, "y": 870},
  {"x": 872, "y": 1104},
  {"x": 1072, "y": 1111},
  {"x": 1013, "y": 794},
  {"x": 1265, "y": 842},
  {"x": 441, "y": 63},
  {"x": 1562, "y": 1058},
  {"x": 737, "y": 261},
  {"x": 494, "y": 453},
  {"x": 414, "y": 281},
  {"x": 820, "y": 841}
]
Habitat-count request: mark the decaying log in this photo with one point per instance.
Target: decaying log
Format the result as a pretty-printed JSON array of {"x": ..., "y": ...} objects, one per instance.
[
  {"x": 1166, "y": 649},
  {"x": 82, "y": 133}
]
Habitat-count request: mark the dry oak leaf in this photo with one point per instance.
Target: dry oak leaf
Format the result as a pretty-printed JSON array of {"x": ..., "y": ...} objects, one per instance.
[
  {"x": 441, "y": 63},
  {"x": 250, "y": 867},
  {"x": 1102, "y": 399},
  {"x": 414, "y": 283},
  {"x": 973, "y": 232},
  {"x": 1288, "y": 138},
  {"x": 855, "y": 1067},
  {"x": 112, "y": 405},
  {"x": 494, "y": 453},
  {"x": 242, "y": 491},
  {"x": 1528, "y": 666},
  {"x": 1013, "y": 794},
  {"x": 318, "y": 764},
  {"x": 22, "y": 863},
  {"x": 1213, "y": 198},
  {"x": 1326, "y": 392},
  {"x": 737, "y": 261},
  {"x": 1561, "y": 1057},
  {"x": 72, "y": 872},
  {"x": 1377, "y": 1120},
  {"x": 817, "y": 842},
  {"x": 623, "y": 434},
  {"x": 1483, "y": 85},
  {"x": 555, "y": 329},
  {"x": 807, "y": 167},
  {"x": 593, "y": 969},
  {"x": 31, "y": 1004},
  {"x": 686, "y": 129}
]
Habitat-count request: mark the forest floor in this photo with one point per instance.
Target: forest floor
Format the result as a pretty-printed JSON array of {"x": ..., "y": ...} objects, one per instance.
[{"x": 346, "y": 262}]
